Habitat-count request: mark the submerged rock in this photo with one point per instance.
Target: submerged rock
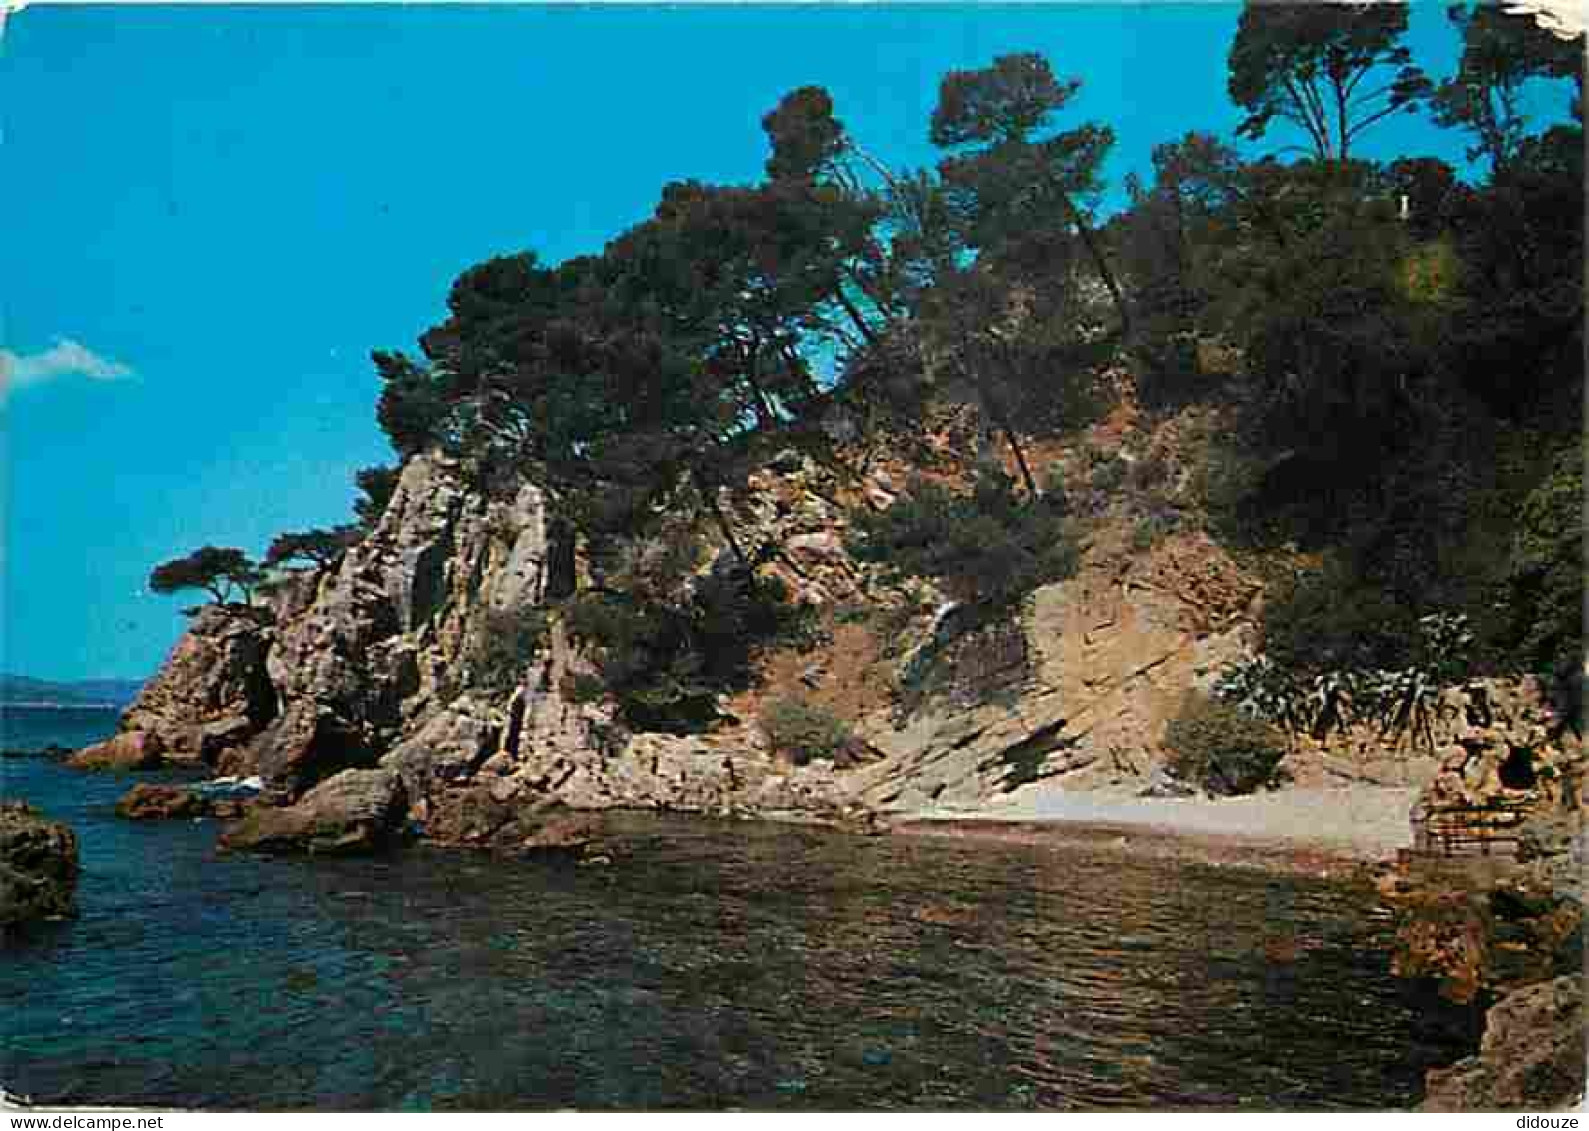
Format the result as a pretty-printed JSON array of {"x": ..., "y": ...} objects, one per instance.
[
  {"x": 356, "y": 811},
  {"x": 1531, "y": 1057},
  {"x": 38, "y": 866},
  {"x": 53, "y": 751},
  {"x": 159, "y": 802},
  {"x": 472, "y": 818},
  {"x": 144, "y": 802}
]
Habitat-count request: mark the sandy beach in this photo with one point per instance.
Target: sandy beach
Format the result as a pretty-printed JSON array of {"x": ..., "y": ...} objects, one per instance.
[{"x": 1320, "y": 831}]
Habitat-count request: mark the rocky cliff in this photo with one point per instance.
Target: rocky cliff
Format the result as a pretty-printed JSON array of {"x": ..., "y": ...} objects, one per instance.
[
  {"x": 375, "y": 662},
  {"x": 393, "y": 658},
  {"x": 380, "y": 661}
]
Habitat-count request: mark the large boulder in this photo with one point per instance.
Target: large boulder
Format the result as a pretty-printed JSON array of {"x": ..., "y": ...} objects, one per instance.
[
  {"x": 130, "y": 750},
  {"x": 472, "y": 818},
  {"x": 145, "y": 802},
  {"x": 355, "y": 811},
  {"x": 38, "y": 866},
  {"x": 1530, "y": 1059}
]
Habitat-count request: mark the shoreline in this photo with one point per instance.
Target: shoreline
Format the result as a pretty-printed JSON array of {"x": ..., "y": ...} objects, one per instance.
[{"x": 1324, "y": 832}]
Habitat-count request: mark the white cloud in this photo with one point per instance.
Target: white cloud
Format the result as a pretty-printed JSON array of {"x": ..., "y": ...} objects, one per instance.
[{"x": 65, "y": 358}]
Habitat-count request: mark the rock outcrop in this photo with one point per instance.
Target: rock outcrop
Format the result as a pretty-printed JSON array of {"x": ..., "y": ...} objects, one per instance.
[
  {"x": 129, "y": 750},
  {"x": 391, "y": 658},
  {"x": 1490, "y": 900},
  {"x": 1078, "y": 696},
  {"x": 38, "y": 866},
  {"x": 1531, "y": 1058},
  {"x": 355, "y": 811},
  {"x": 211, "y": 695}
]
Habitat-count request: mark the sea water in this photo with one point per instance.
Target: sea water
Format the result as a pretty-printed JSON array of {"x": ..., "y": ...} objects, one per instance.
[{"x": 711, "y": 965}]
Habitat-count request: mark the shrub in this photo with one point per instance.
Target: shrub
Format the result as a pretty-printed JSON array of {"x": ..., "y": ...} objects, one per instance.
[
  {"x": 583, "y": 687},
  {"x": 1545, "y": 588},
  {"x": 990, "y": 548},
  {"x": 1150, "y": 529},
  {"x": 502, "y": 644},
  {"x": 667, "y": 654},
  {"x": 803, "y": 731},
  {"x": 1108, "y": 472},
  {"x": 1332, "y": 619},
  {"x": 1221, "y": 749}
]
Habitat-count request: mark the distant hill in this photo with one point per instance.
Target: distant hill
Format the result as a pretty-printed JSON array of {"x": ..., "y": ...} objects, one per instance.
[{"x": 17, "y": 690}]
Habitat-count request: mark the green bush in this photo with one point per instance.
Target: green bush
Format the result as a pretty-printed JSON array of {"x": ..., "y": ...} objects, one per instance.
[
  {"x": 1151, "y": 529},
  {"x": 1545, "y": 588},
  {"x": 1216, "y": 746},
  {"x": 803, "y": 731},
  {"x": 501, "y": 646},
  {"x": 1333, "y": 620},
  {"x": 990, "y": 548},
  {"x": 1108, "y": 472},
  {"x": 667, "y": 654}
]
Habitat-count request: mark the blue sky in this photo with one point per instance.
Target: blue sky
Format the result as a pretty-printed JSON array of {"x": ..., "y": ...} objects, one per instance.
[{"x": 215, "y": 213}]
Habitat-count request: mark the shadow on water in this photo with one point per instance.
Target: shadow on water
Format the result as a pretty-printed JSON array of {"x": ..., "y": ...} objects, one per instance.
[{"x": 712, "y": 966}]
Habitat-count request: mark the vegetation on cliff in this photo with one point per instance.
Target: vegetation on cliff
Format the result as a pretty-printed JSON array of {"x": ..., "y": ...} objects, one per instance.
[{"x": 1392, "y": 354}]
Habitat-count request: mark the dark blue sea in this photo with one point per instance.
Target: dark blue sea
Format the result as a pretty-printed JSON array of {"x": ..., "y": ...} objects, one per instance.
[{"x": 713, "y": 965}]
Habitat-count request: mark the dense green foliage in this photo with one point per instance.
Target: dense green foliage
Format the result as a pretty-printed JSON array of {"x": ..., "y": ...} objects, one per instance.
[
  {"x": 665, "y": 652},
  {"x": 1393, "y": 354},
  {"x": 1332, "y": 618},
  {"x": 802, "y": 731},
  {"x": 501, "y": 645},
  {"x": 376, "y": 487},
  {"x": 221, "y": 571},
  {"x": 318, "y": 548},
  {"x": 1338, "y": 689},
  {"x": 1545, "y": 587},
  {"x": 989, "y": 548},
  {"x": 1217, "y": 747}
]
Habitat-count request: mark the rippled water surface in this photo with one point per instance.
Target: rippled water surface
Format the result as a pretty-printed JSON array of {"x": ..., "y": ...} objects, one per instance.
[{"x": 713, "y": 965}]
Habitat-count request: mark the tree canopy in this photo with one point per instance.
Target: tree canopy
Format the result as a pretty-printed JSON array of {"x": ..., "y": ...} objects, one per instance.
[
  {"x": 317, "y": 547},
  {"x": 1369, "y": 362},
  {"x": 221, "y": 571},
  {"x": 1332, "y": 70},
  {"x": 1501, "y": 51}
]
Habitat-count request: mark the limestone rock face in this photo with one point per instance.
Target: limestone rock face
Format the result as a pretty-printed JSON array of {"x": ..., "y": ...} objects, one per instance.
[
  {"x": 1079, "y": 696},
  {"x": 354, "y": 811},
  {"x": 375, "y": 662},
  {"x": 212, "y": 693},
  {"x": 1531, "y": 1057},
  {"x": 384, "y": 646},
  {"x": 38, "y": 866}
]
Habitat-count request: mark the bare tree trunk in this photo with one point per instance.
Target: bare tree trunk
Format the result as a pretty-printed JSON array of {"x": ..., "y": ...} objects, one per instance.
[
  {"x": 1089, "y": 241},
  {"x": 710, "y": 495}
]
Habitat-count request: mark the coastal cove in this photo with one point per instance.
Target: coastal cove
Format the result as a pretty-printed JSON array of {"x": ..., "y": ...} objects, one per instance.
[
  {"x": 799, "y": 558},
  {"x": 713, "y": 964}
]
